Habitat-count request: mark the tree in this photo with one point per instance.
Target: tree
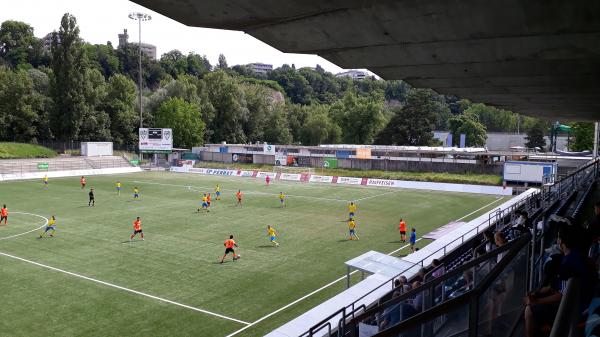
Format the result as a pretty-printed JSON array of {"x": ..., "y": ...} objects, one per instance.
[
  {"x": 197, "y": 65},
  {"x": 19, "y": 107},
  {"x": 231, "y": 113},
  {"x": 259, "y": 106},
  {"x": 295, "y": 85},
  {"x": 17, "y": 43},
  {"x": 185, "y": 120},
  {"x": 359, "y": 117},
  {"x": 222, "y": 64},
  {"x": 174, "y": 63},
  {"x": 104, "y": 58},
  {"x": 468, "y": 124},
  {"x": 535, "y": 135},
  {"x": 277, "y": 130},
  {"x": 413, "y": 123},
  {"x": 583, "y": 133},
  {"x": 319, "y": 128},
  {"x": 68, "y": 80},
  {"x": 95, "y": 121},
  {"x": 120, "y": 106}
]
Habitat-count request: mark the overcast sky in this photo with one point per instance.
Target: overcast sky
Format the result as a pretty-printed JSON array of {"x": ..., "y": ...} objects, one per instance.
[{"x": 101, "y": 21}]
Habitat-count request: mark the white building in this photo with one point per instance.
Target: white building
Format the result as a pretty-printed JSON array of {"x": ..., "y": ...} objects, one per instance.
[
  {"x": 148, "y": 49},
  {"x": 353, "y": 74},
  {"x": 261, "y": 68}
]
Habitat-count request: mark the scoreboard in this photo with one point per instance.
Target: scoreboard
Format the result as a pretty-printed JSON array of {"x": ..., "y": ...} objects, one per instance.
[{"x": 155, "y": 140}]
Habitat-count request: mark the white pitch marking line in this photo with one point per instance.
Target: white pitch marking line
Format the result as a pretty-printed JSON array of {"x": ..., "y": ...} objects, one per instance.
[
  {"x": 479, "y": 209},
  {"x": 304, "y": 297},
  {"x": 339, "y": 279},
  {"x": 33, "y": 230},
  {"x": 125, "y": 289},
  {"x": 253, "y": 192},
  {"x": 377, "y": 195}
]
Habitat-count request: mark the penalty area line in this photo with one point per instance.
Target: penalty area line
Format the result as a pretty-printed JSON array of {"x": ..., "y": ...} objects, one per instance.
[{"x": 125, "y": 289}]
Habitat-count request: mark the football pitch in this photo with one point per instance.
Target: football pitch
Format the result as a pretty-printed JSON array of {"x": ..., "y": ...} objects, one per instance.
[{"x": 89, "y": 280}]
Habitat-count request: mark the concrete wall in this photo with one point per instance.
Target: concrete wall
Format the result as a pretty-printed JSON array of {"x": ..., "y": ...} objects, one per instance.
[
  {"x": 498, "y": 141},
  {"x": 367, "y": 164},
  {"x": 417, "y": 166},
  {"x": 216, "y": 156}
]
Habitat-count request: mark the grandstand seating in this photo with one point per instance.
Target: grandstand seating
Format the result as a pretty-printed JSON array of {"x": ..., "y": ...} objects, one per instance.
[
  {"x": 448, "y": 301},
  {"x": 62, "y": 163}
]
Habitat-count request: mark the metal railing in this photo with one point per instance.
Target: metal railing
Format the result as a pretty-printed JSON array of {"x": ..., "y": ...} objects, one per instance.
[
  {"x": 17, "y": 167},
  {"x": 550, "y": 195},
  {"x": 566, "y": 318},
  {"x": 438, "y": 290},
  {"x": 497, "y": 296},
  {"x": 351, "y": 310}
]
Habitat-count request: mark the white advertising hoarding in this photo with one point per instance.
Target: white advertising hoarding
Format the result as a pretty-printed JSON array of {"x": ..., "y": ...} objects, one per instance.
[
  {"x": 269, "y": 149},
  {"x": 321, "y": 179},
  {"x": 290, "y": 176},
  {"x": 155, "y": 140},
  {"x": 349, "y": 180}
]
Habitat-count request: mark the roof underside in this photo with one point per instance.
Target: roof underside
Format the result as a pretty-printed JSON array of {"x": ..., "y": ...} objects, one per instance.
[{"x": 536, "y": 57}]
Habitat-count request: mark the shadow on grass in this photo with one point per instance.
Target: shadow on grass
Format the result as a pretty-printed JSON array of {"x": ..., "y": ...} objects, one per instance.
[{"x": 265, "y": 246}]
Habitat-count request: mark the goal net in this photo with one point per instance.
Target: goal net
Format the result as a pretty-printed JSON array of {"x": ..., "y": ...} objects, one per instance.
[{"x": 294, "y": 173}]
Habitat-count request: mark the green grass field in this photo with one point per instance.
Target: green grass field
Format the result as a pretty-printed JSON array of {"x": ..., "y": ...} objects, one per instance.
[
  {"x": 20, "y": 150},
  {"x": 178, "y": 261}
]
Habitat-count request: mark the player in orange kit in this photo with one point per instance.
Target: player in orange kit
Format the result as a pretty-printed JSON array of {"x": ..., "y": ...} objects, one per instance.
[
  {"x": 137, "y": 228},
  {"x": 229, "y": 244}
]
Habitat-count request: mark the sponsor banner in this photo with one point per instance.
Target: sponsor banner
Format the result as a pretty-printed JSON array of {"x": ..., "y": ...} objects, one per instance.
[
  {"x": 42, "y": 166},
  {"x": 290, "y": 176},
  {"x": 185, "y": 162},
  {"x": 381, "y": 182},
  {"x": 330, "y": 162},
  {"x": 216, "y": 172},
  {"x": 198, "y": 170},
  {"x": 280, "y": 160},
  {"x": 241, "y": 173},
  {"x": 363, "y": 153},
  {"x": 269, "y": 149},
  {"x": 419, "y": 185},
  {"x": 181, "y": 169},
  {"x": 271, "y": 175},
  {"x": 304, "y": 177},
  {"x": 349, "y": 180},
  {"x": 321, "y": 179}
]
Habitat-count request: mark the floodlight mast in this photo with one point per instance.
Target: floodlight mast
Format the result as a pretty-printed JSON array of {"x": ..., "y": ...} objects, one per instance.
[{"x": 140, "y": 17}]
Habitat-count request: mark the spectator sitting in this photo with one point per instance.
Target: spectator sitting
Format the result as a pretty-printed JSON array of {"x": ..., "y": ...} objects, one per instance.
[
  {"x": 541, "y": 307},
  {"x": 438, "y": 269},
  {"x": 391, "y": 315},
  {"x": 500, "y": 240},
  {"x": 414, "y": 305},
  {"x": 521, "y": 224},
  {"x": 420, "y": 275},
  {"x": 489, "y": 240}
]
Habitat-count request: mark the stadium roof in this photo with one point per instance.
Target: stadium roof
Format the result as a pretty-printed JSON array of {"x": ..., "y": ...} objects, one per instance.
[{"x": 535, "y": 57}]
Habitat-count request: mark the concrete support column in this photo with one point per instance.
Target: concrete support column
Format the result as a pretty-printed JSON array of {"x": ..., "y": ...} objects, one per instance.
[{"x": 595, "y": 153}]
